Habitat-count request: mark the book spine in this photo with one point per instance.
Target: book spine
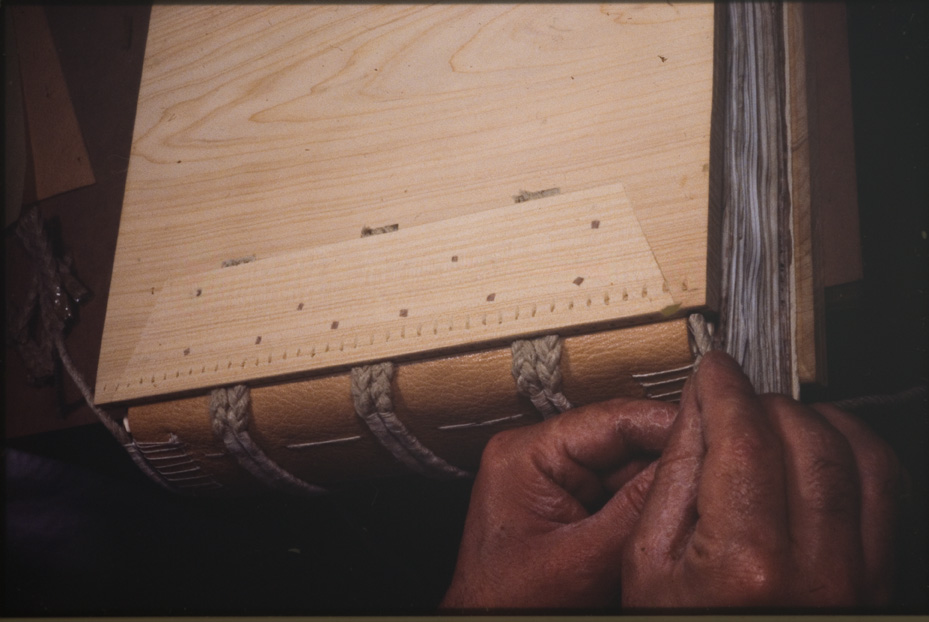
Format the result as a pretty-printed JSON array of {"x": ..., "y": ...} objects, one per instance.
[{"x": 433, "y": 417}]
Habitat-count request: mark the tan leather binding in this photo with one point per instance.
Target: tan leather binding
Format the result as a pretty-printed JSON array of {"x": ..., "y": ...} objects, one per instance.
[{"x": 436, "y": 400}]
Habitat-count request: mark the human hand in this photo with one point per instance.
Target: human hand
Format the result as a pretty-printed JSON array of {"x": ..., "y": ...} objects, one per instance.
[
  {"x": 761, "y": 501},
  {"x": 546, "y": 527}
]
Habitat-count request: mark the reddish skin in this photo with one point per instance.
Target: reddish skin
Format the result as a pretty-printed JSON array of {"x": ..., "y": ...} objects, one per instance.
[{"x": 756, "y": 501}]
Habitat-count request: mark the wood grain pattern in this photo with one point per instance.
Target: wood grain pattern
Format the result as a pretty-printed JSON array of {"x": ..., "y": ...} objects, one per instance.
[
  {"x": 581, "y": 259},
  {"x": 265, "y": 131},
  {"x": 808, "y": 303}
]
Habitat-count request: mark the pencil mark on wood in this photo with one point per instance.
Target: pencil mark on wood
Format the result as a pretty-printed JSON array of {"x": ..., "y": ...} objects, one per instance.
[
  {"x": 526, "y": 195},
  {"x": 367, "y": 231},
  {"x": 237, "y": 261}
]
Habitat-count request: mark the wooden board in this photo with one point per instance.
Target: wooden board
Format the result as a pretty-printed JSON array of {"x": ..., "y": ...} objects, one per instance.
[
  {"x": 57, "y": 158},
  {"x": 263, "y": 132},
  {"x": 808, "y": 307},
  {"x": 459, "y": 282}
]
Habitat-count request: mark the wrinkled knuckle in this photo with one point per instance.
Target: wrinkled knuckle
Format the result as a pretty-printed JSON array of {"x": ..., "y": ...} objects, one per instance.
[
  {"x": 833, "y": 487},
  {"x": 758, "y": 578},
  {"x": 746, "y": 448}
]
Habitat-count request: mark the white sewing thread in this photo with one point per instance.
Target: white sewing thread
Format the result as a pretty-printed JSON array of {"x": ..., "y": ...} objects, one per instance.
[
  {"x": 477, "y": 424},
  {"x": 659, "y": 383},
  {"x": 663, "y": 372},
  {"x": 180, "y": 464},
  {"x": 332, "y": 441},
  {"x": 701, "y": 335}
]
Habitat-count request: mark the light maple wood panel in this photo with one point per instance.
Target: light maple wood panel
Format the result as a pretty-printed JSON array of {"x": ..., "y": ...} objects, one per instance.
[
  {"x": 458, "y": 282},
  {"x": 264, "y": 131}
]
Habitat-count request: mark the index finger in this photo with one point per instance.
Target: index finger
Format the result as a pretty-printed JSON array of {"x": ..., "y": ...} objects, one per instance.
[
  {"x": 585, "y": 450},
  {"x": 741, "y": 495}
]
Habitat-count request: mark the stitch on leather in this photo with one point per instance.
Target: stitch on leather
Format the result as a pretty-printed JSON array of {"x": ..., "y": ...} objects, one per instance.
[
  {"x": 663, "y": 372},
  {"x": 229, "y": 414},
  {"x": 536, "y": 367},
  {"x": 371, "y": 396},
  {"x": 477, "y": 424},
  {"x": 331, "y": 441},
  {"x": 656, "y": 384},
  {"x": 174, "y": 464}
]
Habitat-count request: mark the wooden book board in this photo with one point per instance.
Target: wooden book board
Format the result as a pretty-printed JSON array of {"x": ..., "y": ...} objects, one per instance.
[{"x": 540, "y": 168}]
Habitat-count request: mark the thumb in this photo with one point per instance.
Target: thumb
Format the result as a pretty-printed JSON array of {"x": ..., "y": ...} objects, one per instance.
[
  {"x": 617, "y": 519},
  {"x": 623, "y": 510}
]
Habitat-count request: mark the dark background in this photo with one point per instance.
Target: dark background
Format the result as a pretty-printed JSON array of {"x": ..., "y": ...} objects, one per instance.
[{"x": 87, "y": 534}]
